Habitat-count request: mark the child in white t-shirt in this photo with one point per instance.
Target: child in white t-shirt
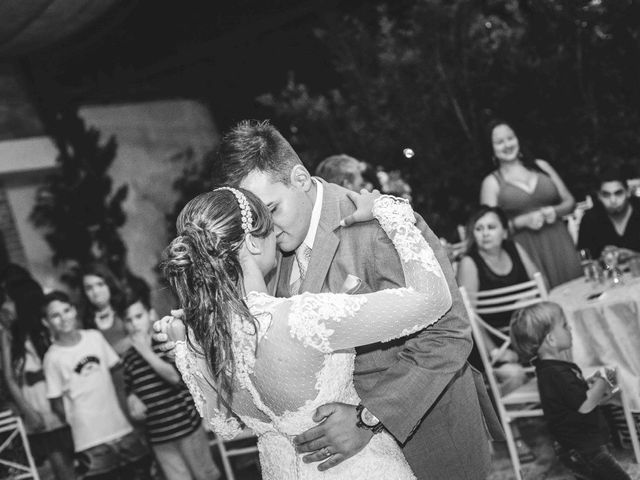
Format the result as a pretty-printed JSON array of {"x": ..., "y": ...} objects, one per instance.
[{"x": 78, "y": 368}]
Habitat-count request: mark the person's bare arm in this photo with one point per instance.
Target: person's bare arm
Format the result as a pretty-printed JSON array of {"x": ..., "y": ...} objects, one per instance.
[
  {"x": 57, "y": 406},
  {"x": 598, "y": 390},
  {"x": 489, "y": 191},
  {"x": 467, "y": 275},
  {"x": 567, "y": 203},
  {"x": 165, "y": 370},
  {"x": 31, "y": 416}
]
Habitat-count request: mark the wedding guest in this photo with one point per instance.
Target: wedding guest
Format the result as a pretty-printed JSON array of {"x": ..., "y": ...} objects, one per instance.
[
  {"x": 494, "y": 261},
  {"x": 614, "y": 220},
  {"x": 535, "y": 198},
  {"x": 78, "y": 369},
  {"x": 173, "y": 426},
  {"x": 570, "y": 403},
  {"x": 101, "y": 299},
  {"x": 24, "y": 341},
  {"x": 342, "y": 170}
]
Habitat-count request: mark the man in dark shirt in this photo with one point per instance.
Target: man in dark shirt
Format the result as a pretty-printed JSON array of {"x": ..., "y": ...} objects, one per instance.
[{"x": 614, "y": 221}]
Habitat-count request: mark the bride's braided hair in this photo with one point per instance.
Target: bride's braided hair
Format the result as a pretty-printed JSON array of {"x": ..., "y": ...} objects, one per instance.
[{"x": 203, "y": 268}]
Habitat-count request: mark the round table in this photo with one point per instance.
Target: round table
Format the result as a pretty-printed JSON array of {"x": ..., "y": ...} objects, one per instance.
[{"x": 606, "y": 329}]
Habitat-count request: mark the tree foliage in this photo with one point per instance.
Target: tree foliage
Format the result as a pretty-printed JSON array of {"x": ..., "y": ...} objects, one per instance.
[
  {"x": 77, "y": 208},
  {"x": 430, "y": 74}
]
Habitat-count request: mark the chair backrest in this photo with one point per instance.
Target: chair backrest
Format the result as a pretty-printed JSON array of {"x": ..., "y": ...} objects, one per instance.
[
  {"x": 508, "y": 299},
  {"x": 15, "y": 452},
  {"x": 505, "y": 299}
]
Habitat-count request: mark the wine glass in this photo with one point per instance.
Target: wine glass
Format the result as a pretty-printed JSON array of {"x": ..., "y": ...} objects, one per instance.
[
  {"x": 586, "y": 263},
  {"x": 610, "y": 257}
]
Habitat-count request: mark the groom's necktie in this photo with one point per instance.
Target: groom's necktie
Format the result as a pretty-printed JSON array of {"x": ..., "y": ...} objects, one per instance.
[{"x": 303, "y": 255}]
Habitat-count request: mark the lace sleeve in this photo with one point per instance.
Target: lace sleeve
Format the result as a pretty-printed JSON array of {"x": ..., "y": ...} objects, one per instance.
[
  {"x": 191, "y": 367},
  {"x": 330, "y": 321}
]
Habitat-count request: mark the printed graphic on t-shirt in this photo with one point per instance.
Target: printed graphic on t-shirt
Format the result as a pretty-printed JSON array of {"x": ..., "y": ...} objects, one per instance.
[{"x": 87, "y": 365}]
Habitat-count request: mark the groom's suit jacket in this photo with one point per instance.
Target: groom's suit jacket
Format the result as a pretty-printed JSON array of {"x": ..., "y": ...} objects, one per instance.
[{"x": 421, "y": 388}]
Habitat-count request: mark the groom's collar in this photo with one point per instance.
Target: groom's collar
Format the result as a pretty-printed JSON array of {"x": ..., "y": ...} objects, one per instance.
[{"x": 315, "y": 215}]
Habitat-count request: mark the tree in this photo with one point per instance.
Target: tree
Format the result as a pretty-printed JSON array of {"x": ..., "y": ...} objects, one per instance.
[
  {"x": 77, "y": 208},
  {"x": 430, "y": 74}
]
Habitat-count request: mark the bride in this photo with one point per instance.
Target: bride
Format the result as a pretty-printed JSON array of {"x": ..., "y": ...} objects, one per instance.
[{"x": 252, "y": 359}]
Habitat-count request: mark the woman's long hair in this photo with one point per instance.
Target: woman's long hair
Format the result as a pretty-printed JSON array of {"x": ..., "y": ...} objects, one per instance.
[
  {"x": 27, "y": 296},
  {"x": 116, "y": 294},
  {"x": 527, "y": 159},
  {"x": 203, "y": 268}
]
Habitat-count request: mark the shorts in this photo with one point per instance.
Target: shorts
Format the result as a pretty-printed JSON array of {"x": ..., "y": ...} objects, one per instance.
[
  {"x": 43, "y": 444},
  {"x": 113, "y": 455}
]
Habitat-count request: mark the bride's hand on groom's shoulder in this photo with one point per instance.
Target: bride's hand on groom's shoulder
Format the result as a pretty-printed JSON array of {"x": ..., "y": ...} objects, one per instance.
[
  {"x": 168, "y": 330},
  {"x": 364, "y": 206}
]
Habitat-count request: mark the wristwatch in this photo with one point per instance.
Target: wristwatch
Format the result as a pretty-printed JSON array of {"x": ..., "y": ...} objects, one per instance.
[{"x": 367, "y": 420}]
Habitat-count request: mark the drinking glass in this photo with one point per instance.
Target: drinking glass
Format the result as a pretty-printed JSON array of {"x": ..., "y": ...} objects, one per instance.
[
  {"x": 634, "y": 266},
  {"x": 585, "y": 262},
  {"x": 610, "y": 257}
]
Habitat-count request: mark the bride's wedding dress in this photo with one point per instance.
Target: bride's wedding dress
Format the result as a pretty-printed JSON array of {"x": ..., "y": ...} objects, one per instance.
[{"x": 303, "y": 354}]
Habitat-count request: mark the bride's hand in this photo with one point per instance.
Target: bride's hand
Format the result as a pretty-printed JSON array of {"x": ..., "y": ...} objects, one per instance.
[
  {"x": 168, "y": 330},
  {"x": 364, "y": 206}
]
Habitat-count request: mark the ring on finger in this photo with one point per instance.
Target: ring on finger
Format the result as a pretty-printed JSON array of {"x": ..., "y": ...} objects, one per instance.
[{"x": 325, "y": 452}]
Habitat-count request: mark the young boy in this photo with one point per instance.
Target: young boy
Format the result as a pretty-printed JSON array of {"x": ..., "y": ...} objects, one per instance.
[
  {"x": 540, "y": 334},
  {"x": 78, "y": 370},
  {"x": 174, "y": 427}
]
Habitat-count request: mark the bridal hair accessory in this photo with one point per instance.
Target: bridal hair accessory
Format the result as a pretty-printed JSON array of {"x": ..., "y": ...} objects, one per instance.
[{"x": 245, "y": 211}]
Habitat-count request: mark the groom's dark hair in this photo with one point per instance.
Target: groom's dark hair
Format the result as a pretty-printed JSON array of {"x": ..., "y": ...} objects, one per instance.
[{"x": 253, "y": 145}]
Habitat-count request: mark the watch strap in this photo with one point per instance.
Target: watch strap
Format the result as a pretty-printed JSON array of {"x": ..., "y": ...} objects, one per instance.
[{"x": 377, "y": 428}]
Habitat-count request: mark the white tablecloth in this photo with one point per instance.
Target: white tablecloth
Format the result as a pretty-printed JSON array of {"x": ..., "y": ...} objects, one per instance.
[{"x": 606, "y": 330}]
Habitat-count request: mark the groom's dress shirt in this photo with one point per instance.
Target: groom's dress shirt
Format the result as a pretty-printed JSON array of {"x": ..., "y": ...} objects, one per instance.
[{"x": 313, "y": 228}]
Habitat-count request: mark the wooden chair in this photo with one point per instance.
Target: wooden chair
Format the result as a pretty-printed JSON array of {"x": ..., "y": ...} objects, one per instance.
[
  {"x": 11, "y": 429},
  {"x": 243, "y": 444},
  {"x": 524, "y": 401}
]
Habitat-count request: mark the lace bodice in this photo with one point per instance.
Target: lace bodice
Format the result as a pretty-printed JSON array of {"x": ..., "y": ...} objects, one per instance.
[{"x": 305, "y": 344}]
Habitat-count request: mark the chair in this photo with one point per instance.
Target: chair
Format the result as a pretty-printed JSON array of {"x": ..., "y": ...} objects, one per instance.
[
  {"x": 524, "y": 401},
  {"x": 233, "y": 448},
  {"x": 12, "y": 428}
]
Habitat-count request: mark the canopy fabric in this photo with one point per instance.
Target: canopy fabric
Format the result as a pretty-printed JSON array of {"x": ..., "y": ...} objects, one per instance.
[{"x": 27, "y": 26}]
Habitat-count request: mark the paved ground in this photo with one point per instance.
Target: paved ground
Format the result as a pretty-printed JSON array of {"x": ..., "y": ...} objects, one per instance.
[{"x": 546, "y": 467}]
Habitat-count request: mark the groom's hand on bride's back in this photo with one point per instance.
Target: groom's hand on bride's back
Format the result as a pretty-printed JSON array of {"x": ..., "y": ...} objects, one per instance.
[
  {"x": 166, "y": 330},
  {"x": 337, "y": 434}
]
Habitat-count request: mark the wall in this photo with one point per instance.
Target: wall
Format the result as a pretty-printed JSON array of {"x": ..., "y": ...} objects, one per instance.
[{"x": 149, "y": 136}]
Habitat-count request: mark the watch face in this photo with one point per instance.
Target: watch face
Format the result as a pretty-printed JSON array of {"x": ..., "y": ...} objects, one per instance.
[{"x": 368, "y": 418}]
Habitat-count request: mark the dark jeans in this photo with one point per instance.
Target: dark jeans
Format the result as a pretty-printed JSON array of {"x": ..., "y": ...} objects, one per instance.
[
  {"x": 140, "y": 470},
  {"x": 595, "y": 464}
]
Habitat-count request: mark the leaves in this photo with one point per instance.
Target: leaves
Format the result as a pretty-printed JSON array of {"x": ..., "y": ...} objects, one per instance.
[
  {"x": 430, "y": 74},
  {"x": 76, "y": 207}
]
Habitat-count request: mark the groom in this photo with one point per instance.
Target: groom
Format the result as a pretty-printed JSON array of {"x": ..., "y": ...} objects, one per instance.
[{"x": 419, "y": 389}]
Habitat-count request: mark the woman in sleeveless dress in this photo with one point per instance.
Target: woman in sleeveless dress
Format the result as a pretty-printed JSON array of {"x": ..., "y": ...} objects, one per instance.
[
  {"x": 23, "y": 342},
  {"x": 494, "y": 261},
  {"x": 535, "y": 199},
  {"x": 268, "y": 363}
]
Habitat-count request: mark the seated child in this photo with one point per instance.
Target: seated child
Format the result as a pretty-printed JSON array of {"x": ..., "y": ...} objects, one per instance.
[
  {"x": 540, "y": 334},
  {"x": 78, "y": 370},
  {"x": 174, "y": 427}
]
